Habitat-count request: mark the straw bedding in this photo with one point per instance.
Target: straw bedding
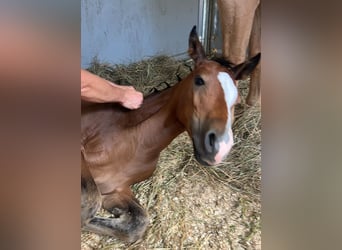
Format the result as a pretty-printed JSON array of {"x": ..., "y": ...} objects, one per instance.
[{"x": 191, "y": 206}]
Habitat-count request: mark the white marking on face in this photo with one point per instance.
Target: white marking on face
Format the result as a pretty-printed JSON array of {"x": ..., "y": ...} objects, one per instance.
[
  {"x": 224, "y": 148},
  {"x": 230, "y": 91},
  {"x": 226, "y": 141}
]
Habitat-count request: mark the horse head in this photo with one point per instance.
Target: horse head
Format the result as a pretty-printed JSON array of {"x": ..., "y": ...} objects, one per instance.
[{"x": 211, "y": 94}]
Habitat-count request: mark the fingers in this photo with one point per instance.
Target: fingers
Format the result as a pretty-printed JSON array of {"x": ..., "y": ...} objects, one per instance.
[
  {"x": 129, "y": 98},
  {"x": 132, "y": 99}
]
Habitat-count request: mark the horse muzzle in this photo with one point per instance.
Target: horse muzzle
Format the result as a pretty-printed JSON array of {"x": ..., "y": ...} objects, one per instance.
[{"x": 213, "y": 148}]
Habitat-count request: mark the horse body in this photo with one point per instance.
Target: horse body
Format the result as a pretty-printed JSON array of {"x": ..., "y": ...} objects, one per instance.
[{"x": 121, "y": 147}]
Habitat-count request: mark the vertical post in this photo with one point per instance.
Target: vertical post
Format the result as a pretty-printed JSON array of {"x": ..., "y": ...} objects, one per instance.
[{"x": 208, "y": 21}]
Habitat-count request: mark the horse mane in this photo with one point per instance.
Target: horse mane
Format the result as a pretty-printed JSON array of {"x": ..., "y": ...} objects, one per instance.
[
  {"x": 151, "y": 105},
  {"x": 224, "y": 62}
]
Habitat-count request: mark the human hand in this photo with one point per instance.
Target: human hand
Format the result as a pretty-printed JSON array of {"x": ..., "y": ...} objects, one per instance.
[{"x": 130, "y": 98}]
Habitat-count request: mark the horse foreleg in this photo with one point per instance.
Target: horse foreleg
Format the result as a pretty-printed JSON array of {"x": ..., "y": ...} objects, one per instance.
[
  {"x": 237, "y": 18},
  {"x": 129, "y": 220},
  {"x": 254, "y": 95},
  {"x": 90, "y": 196}
]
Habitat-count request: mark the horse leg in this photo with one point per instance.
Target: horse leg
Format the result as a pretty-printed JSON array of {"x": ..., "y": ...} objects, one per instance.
[
  {"x": 253, "y": 97},
  {"x": 129, "y": 220},
  {"x": 90, "y": 196},
  {"x": 226, "y": 15},
  {"x": 236, "y": 25}
]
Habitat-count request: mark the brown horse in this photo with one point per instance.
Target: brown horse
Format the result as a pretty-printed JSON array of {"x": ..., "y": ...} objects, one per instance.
[{"x": 120, "y": 147}]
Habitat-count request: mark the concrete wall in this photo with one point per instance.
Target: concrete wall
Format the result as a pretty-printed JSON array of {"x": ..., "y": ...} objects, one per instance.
[{"x": 124, "y": 31}]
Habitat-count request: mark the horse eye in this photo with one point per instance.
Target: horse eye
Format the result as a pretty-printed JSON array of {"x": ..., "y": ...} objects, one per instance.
[{"x": 199, "y": 81}]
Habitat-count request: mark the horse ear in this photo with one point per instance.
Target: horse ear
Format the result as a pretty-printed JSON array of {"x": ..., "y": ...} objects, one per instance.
[
  {"x": 196, "y": 51},
  {"x": 242, "y": 70}
]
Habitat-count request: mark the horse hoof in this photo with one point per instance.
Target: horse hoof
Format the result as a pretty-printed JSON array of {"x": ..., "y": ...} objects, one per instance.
[
  {"x": 138, "y": 229},
  {"x": 117, "y": 212}
]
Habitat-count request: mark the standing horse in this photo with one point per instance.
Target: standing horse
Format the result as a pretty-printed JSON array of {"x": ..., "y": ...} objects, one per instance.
[{"x": 120, "y": 147}]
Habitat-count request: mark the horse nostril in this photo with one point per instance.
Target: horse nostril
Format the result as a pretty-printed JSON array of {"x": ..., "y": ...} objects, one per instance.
[{"x": 210, "y": 141}]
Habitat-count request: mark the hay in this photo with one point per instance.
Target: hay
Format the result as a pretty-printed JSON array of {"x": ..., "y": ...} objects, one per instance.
[{"x": 191, "y": 206}]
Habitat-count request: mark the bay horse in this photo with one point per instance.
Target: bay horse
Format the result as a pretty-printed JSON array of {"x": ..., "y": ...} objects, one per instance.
[{"x": 121, "y": 147}]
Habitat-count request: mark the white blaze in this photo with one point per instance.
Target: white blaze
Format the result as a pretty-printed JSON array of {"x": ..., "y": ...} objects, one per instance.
[
  {"x": 226, "y": 141},
  {"x": 230, "y": 91}
]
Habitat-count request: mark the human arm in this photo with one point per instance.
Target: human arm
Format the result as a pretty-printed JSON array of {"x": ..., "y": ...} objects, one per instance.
[{"x": 97, "y": 89}]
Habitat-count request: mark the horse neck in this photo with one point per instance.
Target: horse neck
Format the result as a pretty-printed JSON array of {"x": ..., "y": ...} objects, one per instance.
[{"x": 163, "y": 126}]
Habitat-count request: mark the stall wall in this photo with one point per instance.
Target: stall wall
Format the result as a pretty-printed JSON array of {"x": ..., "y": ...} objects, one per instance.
[{"x": 124, "y": 31}]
